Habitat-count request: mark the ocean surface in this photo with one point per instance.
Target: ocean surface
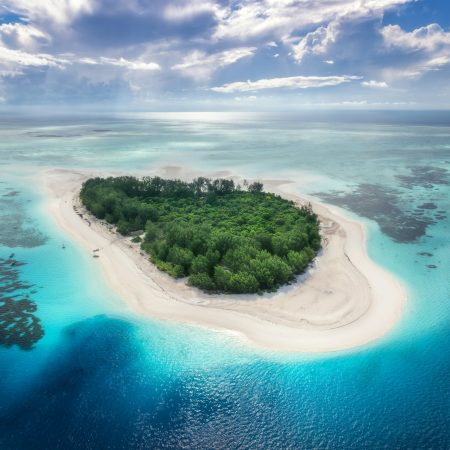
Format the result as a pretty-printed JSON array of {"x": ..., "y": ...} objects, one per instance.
[{"x": 79, "y": 370}]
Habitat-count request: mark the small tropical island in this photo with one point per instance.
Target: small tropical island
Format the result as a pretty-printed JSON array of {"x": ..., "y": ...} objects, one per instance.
[
  {"x": 226, "y": 238},
  {"x": 224, "y": 254}
]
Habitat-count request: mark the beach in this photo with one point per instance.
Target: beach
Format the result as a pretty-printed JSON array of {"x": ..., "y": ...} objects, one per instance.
[{"x": 343, "y": 301}]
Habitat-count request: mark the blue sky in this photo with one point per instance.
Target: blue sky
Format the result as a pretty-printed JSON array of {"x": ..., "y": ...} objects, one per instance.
[{"x": 219, "y": 54}]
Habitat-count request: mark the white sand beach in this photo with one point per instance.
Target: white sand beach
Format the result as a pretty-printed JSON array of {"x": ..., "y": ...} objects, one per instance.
[{"x": 345, "y": 300}]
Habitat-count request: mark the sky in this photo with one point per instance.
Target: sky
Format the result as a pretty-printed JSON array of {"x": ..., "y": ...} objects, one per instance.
[{"x": 225, "y": 54}]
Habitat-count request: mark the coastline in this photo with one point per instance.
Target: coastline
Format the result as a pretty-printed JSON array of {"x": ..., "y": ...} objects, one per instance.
[{"x": 344, "y": 301}]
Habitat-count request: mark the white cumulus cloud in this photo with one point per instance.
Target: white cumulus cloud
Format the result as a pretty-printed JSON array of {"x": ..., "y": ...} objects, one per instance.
[
  {"x": 438, "y": 61},
  {"x": 14, "y": 61},
  {"x": 299, "y": 82},
  {"x": 23, "y": 36},
  {"x": 280, "y": 18},
  {"x": 60, "y": 12},
  {"x": 188, "y": 10},
  {"x": 428, "y": 48},
  {"x": 316, "y": 42},
  {"x": 121, "y": 62},
  {"x": 430, "y": 38},
  {"x": 375, "y": 84},
  {"x": 200, "y": 65}
]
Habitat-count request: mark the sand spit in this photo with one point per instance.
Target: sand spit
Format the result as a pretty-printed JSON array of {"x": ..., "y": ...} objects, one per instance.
[{"x": 345, "y": 300}]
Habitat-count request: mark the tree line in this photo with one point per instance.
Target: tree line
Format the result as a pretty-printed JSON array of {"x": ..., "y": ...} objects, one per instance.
[{"x": 222, "y": 236}]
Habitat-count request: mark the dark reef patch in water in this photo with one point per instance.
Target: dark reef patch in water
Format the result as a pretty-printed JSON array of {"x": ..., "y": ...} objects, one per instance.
[
  {"x": 12, "y": 193},
  {"x": 18, "y": 323},
  {"x": 424, "y": 176},
  {"x": 17, "y": 230},
  {"x": 53, "y": 135},
  {"x": 428, "y": 205},
  {"x": 380, "y": 204}
]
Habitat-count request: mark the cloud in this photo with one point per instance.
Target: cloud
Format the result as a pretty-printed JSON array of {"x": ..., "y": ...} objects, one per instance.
[
  {"x": 23, "y": 36},
  {"x": 315, "y": 42},
  {"x": 188, "y": 10},
  {"x": 358, "y": 103},
  {"x": 280, "y": 18},
  {"x": 60, "y": 12},
  {"x": 428, "y": 48},
  {"x": 200, "y": 65},
  {"x": 121, "y": 62},
  {"x": 395, "y": 73},
  {"x": 12, "y": 61},
  {"x": 246, "y": 98},
  {"x": 161, "y": 48},
  {"x": 375, "y": 84},
  {"x": 299, "y": 82},
  {"x": 438, "y": 61},
  {"x": 431, "y": 38}
]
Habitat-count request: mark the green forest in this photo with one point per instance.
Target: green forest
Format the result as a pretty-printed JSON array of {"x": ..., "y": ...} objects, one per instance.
[{"x": 222, "y": 236}]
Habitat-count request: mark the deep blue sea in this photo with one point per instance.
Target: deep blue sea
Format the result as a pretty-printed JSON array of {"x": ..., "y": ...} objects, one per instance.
[{"x": 79, "y": 370}]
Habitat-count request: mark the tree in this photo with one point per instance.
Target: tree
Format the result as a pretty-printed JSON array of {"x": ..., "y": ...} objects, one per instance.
[
  {"x": 202, "y": 281},
  {"x": 255, "y": 187},
  {"x": 151, "y": 232},
  {"x": 222, "y": 241},
  {"x": 200, "y": 264},
  {"x": 238, "y": 258},
  {"x": 243, "y": 282},
  {"x": 222, "y": 278},
  {"x": 180, "y": 256},
  {"x": 262, "y": 273},
  {"x": 124, "y": 227},
  {"x": 280, "y": 244},
  {"x": 298, "y": 260}
]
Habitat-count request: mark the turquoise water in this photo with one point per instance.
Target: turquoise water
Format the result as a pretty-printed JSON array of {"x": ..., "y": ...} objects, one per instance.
[{"x": 100, "y": 377}]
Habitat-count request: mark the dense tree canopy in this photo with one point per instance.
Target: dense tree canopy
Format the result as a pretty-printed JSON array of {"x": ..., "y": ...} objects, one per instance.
[{"x": 224, "y": 238}]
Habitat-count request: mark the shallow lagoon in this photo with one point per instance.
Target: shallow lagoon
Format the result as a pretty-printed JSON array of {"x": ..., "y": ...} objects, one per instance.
[{"x": 103, "y": 378}]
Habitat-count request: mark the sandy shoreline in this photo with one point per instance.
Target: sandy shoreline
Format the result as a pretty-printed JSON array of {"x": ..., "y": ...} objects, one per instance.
[{"x": 344, "y": 301}]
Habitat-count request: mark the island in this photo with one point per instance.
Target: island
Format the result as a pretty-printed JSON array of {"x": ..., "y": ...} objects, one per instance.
[
  {"x": 223, "y": 236},
  {"x": 321, "y": 290}
]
